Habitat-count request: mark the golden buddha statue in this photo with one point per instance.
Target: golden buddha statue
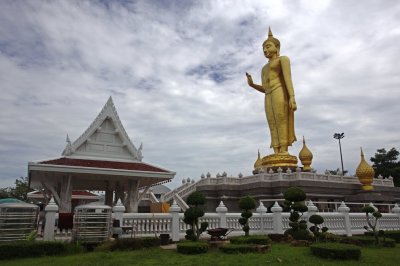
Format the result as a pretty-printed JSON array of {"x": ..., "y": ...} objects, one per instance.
[{"x": 280, "y": 103}]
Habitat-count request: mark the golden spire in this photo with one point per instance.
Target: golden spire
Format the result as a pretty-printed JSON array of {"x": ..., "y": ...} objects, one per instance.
[
  {"x": 270, "y": 32},
  {"x": 365, "y": 173},
  {"x": 305, "y": 156},
  {"x": 258, "y": 163}
]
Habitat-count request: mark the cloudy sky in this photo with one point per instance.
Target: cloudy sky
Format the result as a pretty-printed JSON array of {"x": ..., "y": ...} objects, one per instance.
[{"x": 176, "y": 72}]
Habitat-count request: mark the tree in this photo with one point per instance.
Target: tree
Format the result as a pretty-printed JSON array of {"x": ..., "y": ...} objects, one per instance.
[
  {"x": 386, "y": 163},
  {"x": 20, "y": 190}
]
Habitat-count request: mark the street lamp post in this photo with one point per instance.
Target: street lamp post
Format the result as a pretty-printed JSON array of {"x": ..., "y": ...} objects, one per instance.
[{"x": 339, "y": 136}]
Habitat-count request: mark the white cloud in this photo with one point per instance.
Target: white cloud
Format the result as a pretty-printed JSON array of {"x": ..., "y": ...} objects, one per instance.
[{"x": 176, "y": 73}]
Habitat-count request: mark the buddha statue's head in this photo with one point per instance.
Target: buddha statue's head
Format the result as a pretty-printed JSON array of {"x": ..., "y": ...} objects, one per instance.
[{"x": 271, "y": 45}]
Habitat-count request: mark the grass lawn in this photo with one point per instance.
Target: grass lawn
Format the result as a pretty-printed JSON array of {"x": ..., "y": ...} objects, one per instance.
[{"x": 280, "y": 254}]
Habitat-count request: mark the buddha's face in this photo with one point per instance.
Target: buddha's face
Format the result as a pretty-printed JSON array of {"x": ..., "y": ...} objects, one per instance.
[{"x": 270, "y": 49}]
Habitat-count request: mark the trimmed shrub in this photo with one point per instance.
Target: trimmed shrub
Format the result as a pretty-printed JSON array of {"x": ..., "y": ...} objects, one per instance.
[
  {"x": 254, "y": 239},
  {"x": 277, "y": 237},
  {"x": 26, "y": 249},
  {"x": 189, "y": 247},
  {"x": 129, "y": 244},
  {"x": 192, "y": 215},
  {"x": 336, "y": 251},
  {"x": 238, "y": 248},
  {"x": 246, "y": 204},
  {"x": 294, "y": 198},
  {"x": 393, "y": 235},
  {"x": 389, "y": 243},
  {"x": 359, "y": 240}
]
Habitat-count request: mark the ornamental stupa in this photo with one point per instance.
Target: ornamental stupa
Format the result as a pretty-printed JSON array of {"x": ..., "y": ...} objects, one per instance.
[
  {"x": 365, "y": 174},
  {"x": 306, "y": 157}
]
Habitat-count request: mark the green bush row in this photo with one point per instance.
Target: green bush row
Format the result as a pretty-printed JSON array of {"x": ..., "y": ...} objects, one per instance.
[
  {"x": 129, "y": 244},
  {"x": 26, "y": 249},
  {"x": 277, "y": 237},
  {"x": 192, "y": 247},
  {"x": 359, "y": 240},
  {"x": 336, "y": 251},
  {"x": 254, "y": 239},
  {"x": 238, "y": 248}
]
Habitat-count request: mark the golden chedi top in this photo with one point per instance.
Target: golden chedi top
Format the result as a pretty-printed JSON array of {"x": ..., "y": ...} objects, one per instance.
[
  {"x": 258, "y": 163},
  {"x": 365, "y": 173},
  {"x": 305, "y": 156}
]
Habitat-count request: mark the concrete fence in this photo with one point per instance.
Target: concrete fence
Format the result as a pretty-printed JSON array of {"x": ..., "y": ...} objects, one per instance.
[{"x": 152, "y": 224}]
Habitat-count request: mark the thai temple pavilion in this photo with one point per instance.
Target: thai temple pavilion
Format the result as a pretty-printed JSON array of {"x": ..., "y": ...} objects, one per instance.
[{"x": 103, "y": 158}]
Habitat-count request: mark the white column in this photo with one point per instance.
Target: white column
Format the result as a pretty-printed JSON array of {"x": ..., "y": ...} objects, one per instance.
[
  {"x": 174, "y": 211},
  {"x": 222, "y": 210},
  {"x": 396, "y": 210},
  {"x": 50, "y": 220},
  {"x": 344, "y": 210},
  {"x": 262, "y": 210},
  {"x": 312, "y": 209},
  {"x": 277, "y": 218},
  {"x": 118, "y": 211}
]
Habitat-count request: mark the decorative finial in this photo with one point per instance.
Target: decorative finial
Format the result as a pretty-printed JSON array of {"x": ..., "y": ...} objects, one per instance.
[
  {"x": 68, "y": 148},
  {"x": 365, "y": 173},
  {"x": 258, "y": 163},
  {"x": 306, "y": 157},
  {"x": 270, "y": 32}
]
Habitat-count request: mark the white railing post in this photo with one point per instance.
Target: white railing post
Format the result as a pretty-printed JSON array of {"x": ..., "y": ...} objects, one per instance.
[
  {"x": 277, "y": 218},
  {"x": 222, "y": 210},
  {"x": 344, "y": 210},
  {"x": 50, "y": 220},
  {"x": 312, "y": 209},
  {"x": 118, "y": 211},
  {"x": 396, "y": 210},
  {"x": 262, "y": 210},
  {"x": 174, "y": 211}
]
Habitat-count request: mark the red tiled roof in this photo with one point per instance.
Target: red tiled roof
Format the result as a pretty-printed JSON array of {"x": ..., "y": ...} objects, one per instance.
[
  {"x": 104, "y": 164},
  {"x": 74, "y": 193}
]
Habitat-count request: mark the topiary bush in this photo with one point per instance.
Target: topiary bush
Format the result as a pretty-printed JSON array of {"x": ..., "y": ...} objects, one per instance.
[
  {"x": 294, "y": 201},
  {"x": 26, "y": 249},
  {"x": 254, "y": 239},
  {"x": 277, "y": 237},
  {"x": 336, "y": 251},
  {"x": 192, "y": 215},
  {"x": 246, "y": 204},
  {"x": 190, "y": 247},
  {"x": 372, "y": 224}
]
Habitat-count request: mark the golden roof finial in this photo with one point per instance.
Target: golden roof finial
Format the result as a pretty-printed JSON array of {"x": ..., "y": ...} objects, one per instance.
[
  {"x": 258, "y": 163},
  {"x": 365, "y": 173},
  {"x": 306, "y": 156}
]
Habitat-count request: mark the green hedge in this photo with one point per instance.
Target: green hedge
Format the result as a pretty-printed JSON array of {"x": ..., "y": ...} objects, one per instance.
[
  {"x": 359, "y": 240},
  {"x": 192, "y": 247},
  {"x": 254, "y": 239},
  {"x": 129, "y": 244},
  {"x": 26, "y": 249},
  {"x": 388, "y": 243},
  {"x": 277, "y": 237},
  {"x": 336, "y": 251},
  {"x": 239, "y": 248},
  {"x": 395, "y": 235}
]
